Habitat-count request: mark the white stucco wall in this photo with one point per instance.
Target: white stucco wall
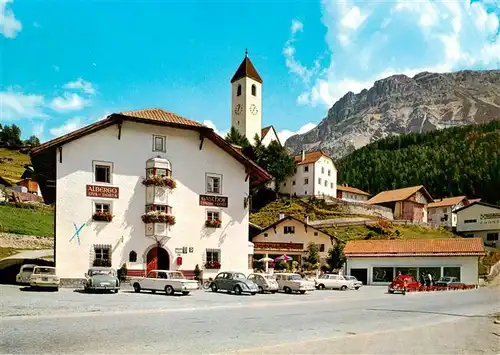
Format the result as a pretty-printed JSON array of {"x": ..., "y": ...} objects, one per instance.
[
  {"x": 126, "y": 232},
  {"x": 247, "y": 123},
  {"x": 468, "y": 265},
  {"x": 476, "y": 215},
  {"x": 328, "y": 184},
  {"x": 269, "y": 137},
  {"x": 352, "y": 197}
]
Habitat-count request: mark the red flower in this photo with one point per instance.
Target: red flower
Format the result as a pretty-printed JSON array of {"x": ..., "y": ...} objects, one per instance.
[
  {"x": 159, "y": 181},
  {"x": 102, "y": 217},
  {"x": 213, "y": 223}
]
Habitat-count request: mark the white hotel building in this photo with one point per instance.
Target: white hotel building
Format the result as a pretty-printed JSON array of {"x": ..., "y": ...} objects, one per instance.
[{"x": 148, "y": 189}]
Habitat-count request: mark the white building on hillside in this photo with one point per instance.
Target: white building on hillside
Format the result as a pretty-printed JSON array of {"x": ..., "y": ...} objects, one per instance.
[
  {"x": 351, "y": 194},
  {"x": 316, "y": 175},
  {"x": 246, "y": 104},
  {"x": 441, "y": 213},
  {"x": 148, "y": 189},
  {"x": 480, "y": 220}
]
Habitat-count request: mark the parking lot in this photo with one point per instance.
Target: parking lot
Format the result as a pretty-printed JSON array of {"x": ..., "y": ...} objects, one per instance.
[{"x": 365, "y": 321}]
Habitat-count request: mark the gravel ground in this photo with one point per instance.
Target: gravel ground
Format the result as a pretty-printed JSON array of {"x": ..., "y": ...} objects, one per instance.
[{"x": 364, "y": 321}]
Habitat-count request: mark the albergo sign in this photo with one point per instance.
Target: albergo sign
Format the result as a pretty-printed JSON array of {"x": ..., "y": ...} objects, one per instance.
[{"x": 103, "y": 191}]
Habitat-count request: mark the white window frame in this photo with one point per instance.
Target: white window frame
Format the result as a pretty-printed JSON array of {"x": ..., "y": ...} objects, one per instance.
[
  {"x": 95, "y": 164},
  {"x": 164, "y": 143},
  {"x": 95, "y": 204},
  {"x": 219, "y": 215},
  {"x": 212, "y": 175}
]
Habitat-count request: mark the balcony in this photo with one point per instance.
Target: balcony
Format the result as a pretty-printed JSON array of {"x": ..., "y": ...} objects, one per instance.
[
  {"x": 278, "y": 246},
  {"x": 157, "y": 223}
]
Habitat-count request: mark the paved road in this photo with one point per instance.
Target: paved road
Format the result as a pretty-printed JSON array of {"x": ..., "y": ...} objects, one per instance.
[
  {"x": 32, "y": 254},
  {"x": 364, "y": 321}
]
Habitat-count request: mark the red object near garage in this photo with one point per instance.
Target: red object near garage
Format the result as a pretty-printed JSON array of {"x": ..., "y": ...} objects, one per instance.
[{"x": 179, "y": 260}]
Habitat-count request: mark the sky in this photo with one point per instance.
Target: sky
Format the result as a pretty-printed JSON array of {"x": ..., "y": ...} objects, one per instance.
[{"x": 66, "y": 64}]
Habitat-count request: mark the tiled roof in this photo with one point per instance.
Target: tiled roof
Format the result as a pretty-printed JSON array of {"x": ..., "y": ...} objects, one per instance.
[
  {"x": 415, "y": 247},
  {"x": 352, "y": 190},
  {"x": 397, "y": 195},
  {"x": 264, "y": 131},
  {"x": 246, "y": 69},
  {"x": 311, "y": 157},
  {"x": 450, "y": 201},
  {"x": 157, "y": 114},
  {"x": 474, "y": 200}
]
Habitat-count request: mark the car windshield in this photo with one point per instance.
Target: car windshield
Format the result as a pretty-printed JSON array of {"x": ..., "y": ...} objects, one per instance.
[
  {"x": 28, "y": 269},
  {"x": 101, "y": 272},
  {"x": 238, "y": 276},
  {"x": 176, "y": 275},
  {"x": 45, "y": 270},
  {"x": 295, "y": 277}
]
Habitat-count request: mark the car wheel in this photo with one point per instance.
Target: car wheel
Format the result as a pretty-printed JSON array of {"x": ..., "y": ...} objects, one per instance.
[
  {"x": 273, "y": 292},
  {"x": 213, "y": 287},
  {"x": 169, "y": 290},
  {"x": 321, "y": 287},
  {"x": 137, "y": 287},
  {"x": 287, "y": 290},
  {"x": 391, "y": 291},
  {"x": 343, "y": 288},
  {"x": 185, "y": 293},
  {"x": 153, "y": 291},
  {"x": 261, "y": 290},
  {"x": 237, "y": 290},
  {"x": 253, "y": 293},
  {"x": 302, "y": 292},
  {"x": 56, "y": 289},
  {"x": 116, "y": 291},
  {"x": 357, "y": 288}
]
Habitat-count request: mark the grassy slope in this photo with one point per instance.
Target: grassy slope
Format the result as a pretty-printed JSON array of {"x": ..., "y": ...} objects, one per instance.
[
  {"x": 39, "y": 222},
  {"x": 12, "y": 169},
  {"x": 270, "y": 214}
]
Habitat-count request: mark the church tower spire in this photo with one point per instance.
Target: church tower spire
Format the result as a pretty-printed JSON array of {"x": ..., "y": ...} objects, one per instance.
[{"x": 246, "y": 102}]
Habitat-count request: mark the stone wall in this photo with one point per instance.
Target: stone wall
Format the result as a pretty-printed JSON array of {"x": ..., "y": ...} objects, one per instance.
[
  {"x": 360, "y": 208},
  {"x": 18, "y": 241}
]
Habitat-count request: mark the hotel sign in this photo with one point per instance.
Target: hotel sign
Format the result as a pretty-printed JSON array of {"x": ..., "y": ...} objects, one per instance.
[
  {"x": 214, "y": 201},
  {"x": 102, "y": 191}
]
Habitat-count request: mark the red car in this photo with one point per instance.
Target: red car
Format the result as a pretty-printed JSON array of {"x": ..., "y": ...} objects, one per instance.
[{"x": 398, "y": 284}]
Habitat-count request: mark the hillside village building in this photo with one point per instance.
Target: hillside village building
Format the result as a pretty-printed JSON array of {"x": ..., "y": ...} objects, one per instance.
[
  {"x": 351, "y": 194},
  {"x": 409, "y": 203},
  {"x": 378, "y": 262},
  {"x": 246, "y": 104},
  {"x": 441, "y": 213},
  {"x": 316, "y": 175},
  {"x": 480, "y": 220},
  {"x": 148, "y": 189},
  {"x": 291, "y": 236}
]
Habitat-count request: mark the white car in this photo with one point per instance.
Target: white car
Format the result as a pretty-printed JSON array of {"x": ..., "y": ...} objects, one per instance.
[
  {"x": 45, "y": 277},
  {"x": 164, "y": 280},
  {"x": 334, "y": 282},
  {"x": 23, "y": 277},
  {"x": 293, "y": 283},
  {"x": 357, "y": 283}
]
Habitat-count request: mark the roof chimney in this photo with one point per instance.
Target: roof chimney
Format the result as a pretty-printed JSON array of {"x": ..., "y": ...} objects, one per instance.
[
  {"x": 306, "y": 219},
  {"x": 302, "y": 155},
  {"x": 282, "y": 215}
]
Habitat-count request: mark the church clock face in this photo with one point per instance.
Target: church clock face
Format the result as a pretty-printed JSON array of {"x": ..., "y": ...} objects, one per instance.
[
  {"x": 253, "y": 109},
  {"x": 238, "y": 109}
]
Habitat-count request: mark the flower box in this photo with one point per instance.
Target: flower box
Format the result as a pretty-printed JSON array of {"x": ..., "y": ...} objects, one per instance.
[
  {"x": 102, "y": 217},
  {"x": 159, "y": 181},
  {"x": 212, "y": 265},
  {"x": 213, "y": 223},
  {"x": 158, "y": 217}
]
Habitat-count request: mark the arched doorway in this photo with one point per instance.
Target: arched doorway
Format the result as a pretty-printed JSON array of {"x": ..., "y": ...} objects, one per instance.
[{"x": 157, "y": 258}]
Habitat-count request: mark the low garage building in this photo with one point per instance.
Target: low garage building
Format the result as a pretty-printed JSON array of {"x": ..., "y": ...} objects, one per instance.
[{"x": 377, "y": 262}]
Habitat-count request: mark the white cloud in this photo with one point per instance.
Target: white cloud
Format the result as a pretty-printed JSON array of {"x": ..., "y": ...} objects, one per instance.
[
  {"x": 297, "y": 26},
  {"x": 81, "y": 84},
  {"x": 369, "y": 41},
  {"x": 69, "y": 126},
  {"x": 285, "y": 134},
  {"x": 17, "y": 105},
  {"x": 9, "y": 25},
  {"x": 210, "y": 124},
  {"x": 68, "y": 102}
]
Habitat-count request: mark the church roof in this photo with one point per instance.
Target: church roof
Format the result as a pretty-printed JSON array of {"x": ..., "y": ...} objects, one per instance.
[{"x": 246, "y": 69}]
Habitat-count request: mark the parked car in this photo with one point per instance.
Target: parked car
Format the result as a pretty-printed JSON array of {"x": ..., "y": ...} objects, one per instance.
[
  {"x": 448, "y": 281},
  {"x": 44, "y": 277},
  {"x": 23, "y": 277},
  {"x": 334, "y": 282},
  {"x": 357, "y": 283},
  {"x": 232, "y": 281},
  {"x": 165, "y": 280},
  {"x": 397, "y": 285},
  {"x": 101, "y": 278},
  {"x": 265, "y": 282},
  {"x": 293, "y": 283}
]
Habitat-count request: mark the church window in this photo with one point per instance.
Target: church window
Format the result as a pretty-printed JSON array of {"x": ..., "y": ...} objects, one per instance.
[
  {"x": 238, "y": 93},
  {"x": 254, "y": 90}
]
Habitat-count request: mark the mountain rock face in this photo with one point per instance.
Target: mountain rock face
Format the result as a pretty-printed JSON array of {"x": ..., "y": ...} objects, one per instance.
[{"x": 399, "y": 104}]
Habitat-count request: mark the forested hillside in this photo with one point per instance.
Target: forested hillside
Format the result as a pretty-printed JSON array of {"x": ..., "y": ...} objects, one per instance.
[{"x": 450, "y": 162}]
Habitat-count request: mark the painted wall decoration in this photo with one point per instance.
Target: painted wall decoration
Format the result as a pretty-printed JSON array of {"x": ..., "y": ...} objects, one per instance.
[{"x": 77, "y": 232}]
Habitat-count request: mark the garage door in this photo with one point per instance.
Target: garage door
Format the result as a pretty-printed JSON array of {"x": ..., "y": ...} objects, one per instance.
[{"x": 361, "y": 275}]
